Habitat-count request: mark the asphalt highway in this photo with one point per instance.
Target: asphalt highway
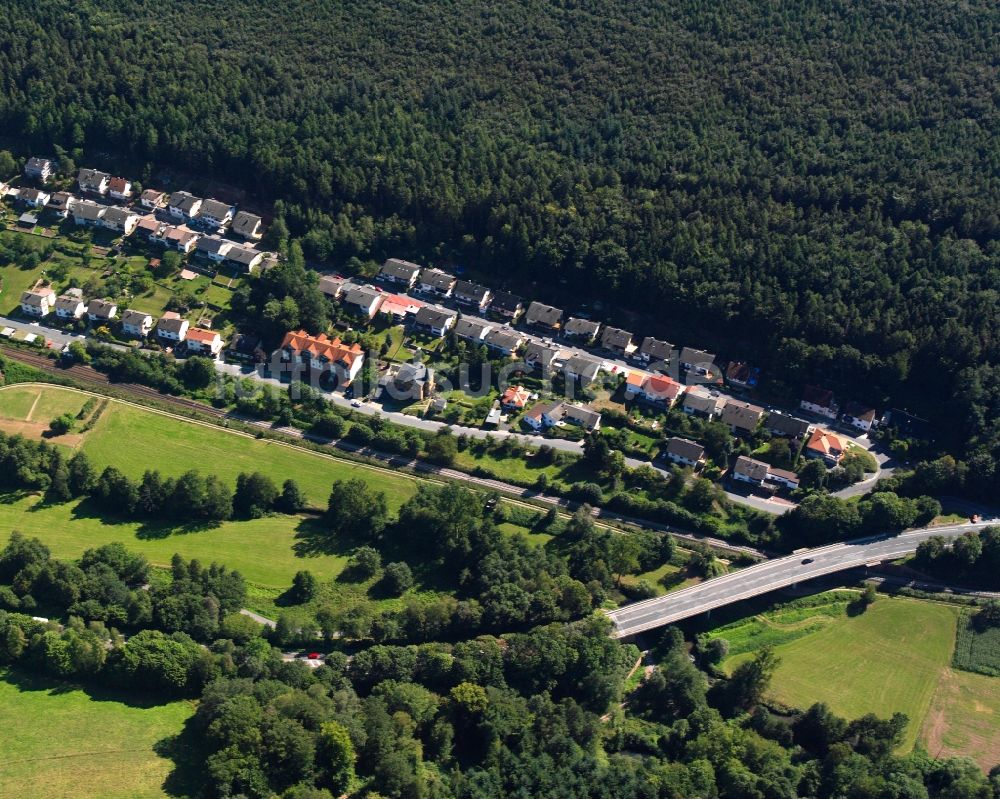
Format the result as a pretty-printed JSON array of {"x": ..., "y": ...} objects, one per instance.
[{"x": 774, "y": 574}]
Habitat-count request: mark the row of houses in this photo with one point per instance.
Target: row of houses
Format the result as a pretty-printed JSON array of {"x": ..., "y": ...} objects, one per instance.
[
  {"x": 549, "y": 319},
  {"x": 209, "y": 213},
  {"x": 170, "y": 329}
]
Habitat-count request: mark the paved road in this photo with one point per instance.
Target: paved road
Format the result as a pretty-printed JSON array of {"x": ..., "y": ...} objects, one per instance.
[{"x": 771, "y": 575}]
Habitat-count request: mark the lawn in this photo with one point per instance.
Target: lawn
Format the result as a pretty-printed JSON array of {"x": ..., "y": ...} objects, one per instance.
[
  {"x": 47, "y": 736},
  {"x": 886, "y": 660},
  {"x": 964, "y": 718}
]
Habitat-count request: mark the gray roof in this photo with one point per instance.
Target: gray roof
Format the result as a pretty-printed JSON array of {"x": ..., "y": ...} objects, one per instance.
[
  {"x": 102, "y": 308},
  {"x": 133, "y": 317},
  {"x": 504, "y": 339},
  {"x": 361, "y": 296},
  {"x": 582, "y": 367},
  {"x": 67, "y": 302},
  {"x": 243, "y": 255},
  {"x": 657, "y": 350},
  {"x": 741, "y": 414},
  {"x": 36, "y": 297},
  {"x": 215, "y": 209},
  {"x": 784, "y": 425},
  {"x": 576, "y": 326},
  {"x": 400, "y": 270},
  {"x": 467, "y": 290},
  {"x": 614, "y": 338},
  {"x": 684, "y": 448},
  {"x": 331, "y": 285},
  {"x": 470, "y": 327},
  {"x": 702, "y": 403},
  {"x": 584, "y": 416},
  {"x": 118, "y": 216},
  {"x": 436, "y": 278},
  {"x": 183, "y": 200},
  {"x": 38, "y": 163},
  {"x": 694, "y": 357},
  {"x": 171, "y": 325},
  {"x": 62, "y": 201},
  {"x": 505, "y": 301},
  {"x": 755, "y": 470},
  {"x": 91, "y": 178},
  {"x": 542, "y": 352},
  {"x": 212, "y": 244},
  {"x": 429, "y": 316},
  {"x": 33, "y": 194},
  {"x": 88, "y": 210},
  {"x": 542, "y": 314},
  {"x": 245, "y": 223}
]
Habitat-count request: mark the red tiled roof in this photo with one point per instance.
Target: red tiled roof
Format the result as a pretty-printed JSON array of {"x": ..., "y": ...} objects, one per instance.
[
  {"x": 118, "y": 184},
  {"x": 515, "y": 396},
  {"x": 330, "y": 348},
  {"x": 823, "y": 442},
  {"x": 662, "y": 386},
  {"x": 201, "y": 335}
]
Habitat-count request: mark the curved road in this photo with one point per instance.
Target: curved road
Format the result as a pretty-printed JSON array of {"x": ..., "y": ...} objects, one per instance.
[{"x": 773, "y": 574}]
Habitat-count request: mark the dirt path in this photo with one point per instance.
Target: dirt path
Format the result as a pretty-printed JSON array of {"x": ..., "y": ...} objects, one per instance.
[{"x": 31, "y": 410}]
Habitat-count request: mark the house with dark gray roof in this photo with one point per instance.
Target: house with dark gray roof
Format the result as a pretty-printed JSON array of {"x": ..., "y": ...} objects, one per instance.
[
  {"x": 616, "y": 340},
  {"x": 504, "y": 340},
  {"x": 246, "y": 225},
  {"x": 684, "y": 452},
  {"x": 399, "y": 272},
  {"x": 471, "y": 294},
  {"x": 582, "y": 330},
  {"x": 507, "y": 305},
  {"x": 781, "y": 424},
  {"x": 653, "y": 349},
  {"x": 433, "y": 320},
  {"x": 436, "y": 282},
  {"x": 470, "y": 328},
  {"x": 545, "y": 316}
]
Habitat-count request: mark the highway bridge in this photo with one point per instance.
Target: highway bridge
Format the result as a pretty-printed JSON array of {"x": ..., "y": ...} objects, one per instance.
[{"x": 774, "y": 574}]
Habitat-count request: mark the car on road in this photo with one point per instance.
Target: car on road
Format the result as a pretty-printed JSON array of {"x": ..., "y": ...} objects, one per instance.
[
  {"x": 314, "y": 656},
  {"x": 355, "y": 403},
  {"x": 806, "y": 561}
]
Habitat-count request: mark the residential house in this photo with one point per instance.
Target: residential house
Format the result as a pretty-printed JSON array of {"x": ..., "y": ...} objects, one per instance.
[
  {"x": 61, "y": 203},
  {"x": 543, "y": 316},
  {"x": 504, "y": 340},
  {"x": 507, "y": 305},
  {"x": 400, "y": 306},
  {"x": 151, "y": 228},
  {"x": 120, "y": 188},
  {"x": 183, "y": 205},
  {"x": 88, "y": 213},
  {"x": 120, "y": 220},
  {"x": 136, "y": 323},
  {"x": 618, "y": 341},
  {"x": 36, "y": 198},
  {"x": 245, "y": 258},
  {"x": 783, "y": 478},
  {"x": 539, "y": 355},
  {"x": 332, "y": 286},
  {"x": 515, "y": 398},
  {"x": 436, "y": 282},
  {"x": 741, "y": 417},
  {"x": 581, "y": 330},
  {"x": 781, "y": 424},
  {"x": 697, "y": 361},
  {"x": 93, "y": 181},
  {"x": 741, "y": 375},
  {"x": 171, "y": 328},
  {"x": 581, "y": 369},
  {"x": 472, "y": 295},
  {"x": 180, "y": 238},
  {"x": 247, "y": 226},
  {"x": 246, "y": 347},
  {"x": 860, "y": 416},
  {"x": 363, "y": 301},
  {"x": 748, "y": 470},
  {"x": 684, "y": 452},
  {"x": 654, "y": 351},
  {"x": 203, "y": 342},
  {"x": 826, "y": 446},
  {"x": 654, "y": 389},
  {"x": 434, "y": 320},
  {"x": 399, "y": 273},
  {"x": 819, "y": 401},
  {"x": 101, "y": 311},
  {"x": 70, "y": 306},
  {"x": 544, "y": 416},
  {"x": 215, "y": 214},
  {"x": 213, "y": 248},
  {"x": 153, "y": 199},
  {"x": 38, "y": 302},
  {"x": 471, "y": 329},
  {"x": 38, "y": 169},
  {"x": 323, "y": 353},
  {"x": 411, "y": 381},
  {"x": 27, "y": 220},
  {"x": 701, "y": 402},
  {"x": 495, "y": 415}
]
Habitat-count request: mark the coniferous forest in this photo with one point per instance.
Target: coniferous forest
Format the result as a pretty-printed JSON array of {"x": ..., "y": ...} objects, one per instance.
[{"x": 813, "y": 186}]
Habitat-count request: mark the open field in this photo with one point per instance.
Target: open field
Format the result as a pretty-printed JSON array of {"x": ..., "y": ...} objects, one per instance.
[
  {"x": 964, "y": 718},
  {"x": 47, "y": 736},
  {"x": 888, "y": 659}
]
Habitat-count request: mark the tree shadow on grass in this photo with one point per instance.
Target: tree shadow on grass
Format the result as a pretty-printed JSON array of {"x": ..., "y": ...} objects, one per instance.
[
  {"x": 149, "y": 529},
  {"x": 13, "y": 497},
  {"x": 186, "y": 750},
  {"x": 25, "y": 681}
]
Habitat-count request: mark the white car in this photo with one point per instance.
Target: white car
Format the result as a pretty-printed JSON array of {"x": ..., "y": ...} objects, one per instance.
[{"x": 355, "y": 403}]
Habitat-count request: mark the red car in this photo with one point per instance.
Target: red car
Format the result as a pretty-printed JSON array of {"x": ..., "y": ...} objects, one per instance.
[{"x": 314, "y": 656}]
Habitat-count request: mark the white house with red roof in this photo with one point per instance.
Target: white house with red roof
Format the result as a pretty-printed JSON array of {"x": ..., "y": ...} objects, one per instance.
[
  {"x": 322, "y": 353},
  {"x": 204, "y": 342}
]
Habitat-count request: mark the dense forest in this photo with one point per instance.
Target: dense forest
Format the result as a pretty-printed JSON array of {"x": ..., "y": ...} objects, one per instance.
[{"x": 814, "y": 186}]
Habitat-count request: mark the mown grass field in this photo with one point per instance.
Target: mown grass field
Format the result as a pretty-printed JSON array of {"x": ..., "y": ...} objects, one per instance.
[
  {"x": 964, "y": 718},
  {"x": 61, "y": 742},
  {"x": 888, "y": 659}
]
